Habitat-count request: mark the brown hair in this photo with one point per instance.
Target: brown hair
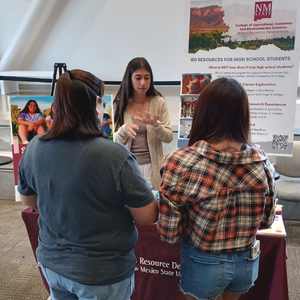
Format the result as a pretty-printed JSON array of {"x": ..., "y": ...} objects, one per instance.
[
  {"x": 75, "y": 106},
  {"x": 94, "y": 83},
  {"x": 222, "y": 112}
]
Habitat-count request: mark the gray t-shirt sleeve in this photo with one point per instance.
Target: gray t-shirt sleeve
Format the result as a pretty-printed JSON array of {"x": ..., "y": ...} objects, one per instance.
[
  {"x": 23, "y": 186},
  {"x": 136, "y": 191}
]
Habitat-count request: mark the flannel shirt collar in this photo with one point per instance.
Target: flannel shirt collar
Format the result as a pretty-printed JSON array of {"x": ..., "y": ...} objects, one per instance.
[{"x": 251, "y": 154}]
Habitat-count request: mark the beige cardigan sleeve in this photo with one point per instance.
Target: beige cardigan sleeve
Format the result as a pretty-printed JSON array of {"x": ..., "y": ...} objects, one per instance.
[
  {"x": 164, "y": 130},
  {"x": 120, "y": 135}
]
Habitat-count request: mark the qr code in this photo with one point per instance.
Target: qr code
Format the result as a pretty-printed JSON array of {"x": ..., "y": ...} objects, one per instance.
[{"x": 280, "y": 142}]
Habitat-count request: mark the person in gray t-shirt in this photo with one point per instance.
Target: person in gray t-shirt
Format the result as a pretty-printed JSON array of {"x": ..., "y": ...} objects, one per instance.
[{"x": 89, "y": 193}]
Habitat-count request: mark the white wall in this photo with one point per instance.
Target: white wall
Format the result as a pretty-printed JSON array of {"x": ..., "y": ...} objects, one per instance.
[
  {"x": 101, "y": 35},
  {"x": 98, "y": 35},
  {"x": 11, "y": 15}
]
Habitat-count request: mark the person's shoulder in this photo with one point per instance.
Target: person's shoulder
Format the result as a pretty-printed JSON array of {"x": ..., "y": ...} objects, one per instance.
[
  {"x": 32, "y": 147},
  {"x": 22, "y": 114},
  {"x": 257, "y": 152},
  {"x": 112, "y": 153},
  {"x": 34, "y": 141},
  {"x": 110, "y": 148},
  {"x": 186, "y": 150},
  {"x": 181, "y": 156},
  {"x": 259, "y": 156}
]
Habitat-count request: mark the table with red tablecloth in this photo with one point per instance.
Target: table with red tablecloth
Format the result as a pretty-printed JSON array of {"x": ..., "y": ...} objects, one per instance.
[{"x": 158, "y": 267}]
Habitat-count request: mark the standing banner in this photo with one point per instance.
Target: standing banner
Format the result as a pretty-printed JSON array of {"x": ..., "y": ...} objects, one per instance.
[
  {"x": 104, "y": 111},
  {"x": 33, "y": 115},
  {"x": 253, "y": 42},
  {"x": 30, "y": 116}
]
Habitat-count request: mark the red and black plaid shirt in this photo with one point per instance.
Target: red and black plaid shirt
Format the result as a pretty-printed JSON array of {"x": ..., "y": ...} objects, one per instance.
[{"x": 216, "y": 199}]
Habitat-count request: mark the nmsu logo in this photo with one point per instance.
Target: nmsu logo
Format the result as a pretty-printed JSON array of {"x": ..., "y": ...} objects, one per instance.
[{"x": 262, "y": 10}]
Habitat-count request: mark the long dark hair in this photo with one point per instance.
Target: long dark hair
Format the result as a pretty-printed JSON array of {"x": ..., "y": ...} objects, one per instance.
[
  {"x": 222, "y": 112},
  {"x": 25, "y": 109},
  {"x": 125, "y": 92},
  {"x": 74, "y": 106}
]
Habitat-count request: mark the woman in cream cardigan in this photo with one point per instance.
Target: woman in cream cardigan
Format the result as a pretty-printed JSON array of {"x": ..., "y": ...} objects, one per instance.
[{"x": 141, "y": 119}]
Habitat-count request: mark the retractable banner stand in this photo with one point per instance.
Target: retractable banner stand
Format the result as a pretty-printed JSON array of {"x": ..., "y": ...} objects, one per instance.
[
  {"x": 33, "y": 116},
  {"x": 30, "y": 116},
  {"x": 254, "y": 43}
]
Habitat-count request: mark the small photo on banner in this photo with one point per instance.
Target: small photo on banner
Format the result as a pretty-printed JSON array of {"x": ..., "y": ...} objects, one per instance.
[
  {"x": 104, "y": 112},
  {"x": 193, "y": 83},
  {"x": 30, "y": 116},
  {"x": 188, "y": 104},
  {"x": 191, "y": 86},
  {"x": 186, "y": 116},
  {"x": 185, "y": 128}
]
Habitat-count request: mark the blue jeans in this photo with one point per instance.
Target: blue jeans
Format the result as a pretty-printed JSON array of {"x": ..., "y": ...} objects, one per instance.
[
  {"x": 206, "y": 275},
  {"x": 62, "y": 288}
]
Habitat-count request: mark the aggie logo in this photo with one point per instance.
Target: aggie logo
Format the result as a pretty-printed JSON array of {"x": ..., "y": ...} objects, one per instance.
[{"x": 262, "y": 10}]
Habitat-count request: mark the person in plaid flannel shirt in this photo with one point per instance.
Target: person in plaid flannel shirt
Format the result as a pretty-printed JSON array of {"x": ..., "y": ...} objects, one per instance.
[{"x": 215, "y": 194}]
